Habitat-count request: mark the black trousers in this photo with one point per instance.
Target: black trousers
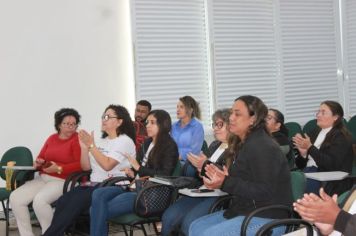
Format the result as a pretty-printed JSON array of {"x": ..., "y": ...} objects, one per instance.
[{"x": 68, "y": 208}]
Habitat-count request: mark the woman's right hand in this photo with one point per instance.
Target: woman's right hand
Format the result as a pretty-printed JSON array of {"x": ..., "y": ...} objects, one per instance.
[
  {"x": 197, "y": 160},
  {"x": 129, "y": 172},
  {"x": 38, "y": 163}
]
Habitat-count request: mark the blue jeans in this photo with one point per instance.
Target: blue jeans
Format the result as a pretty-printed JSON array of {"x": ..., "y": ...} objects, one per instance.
[
  {"x": 312, "y": 185},
  {"x": 107, "y": 203},
  {"x": 216, "y": 224},
  {"x": 183, "y": 212}
]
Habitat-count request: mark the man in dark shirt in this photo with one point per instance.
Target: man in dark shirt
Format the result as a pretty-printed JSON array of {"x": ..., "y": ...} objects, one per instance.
[{"x": 143, "y": 107}]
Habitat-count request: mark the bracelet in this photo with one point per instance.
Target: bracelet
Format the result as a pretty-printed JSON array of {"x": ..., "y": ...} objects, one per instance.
[
  {"x": 91, "y": 146},
  {"x": 59, "y": 170}
]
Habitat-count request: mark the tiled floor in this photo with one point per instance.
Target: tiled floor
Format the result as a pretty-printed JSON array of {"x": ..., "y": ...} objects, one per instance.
[{"x": 114, "y": 231}]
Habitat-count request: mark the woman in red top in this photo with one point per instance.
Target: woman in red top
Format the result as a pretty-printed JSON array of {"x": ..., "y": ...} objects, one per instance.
[{"x": 59, "y": 157}]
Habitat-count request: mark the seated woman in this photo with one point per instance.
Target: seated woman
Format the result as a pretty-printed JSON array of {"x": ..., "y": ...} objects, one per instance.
[
  {"x": 258, "y": 177},
  {"x": 188, "y": 132},
  {"x": 186, "y": 209},
  {"x": 158, "y": 156},
  {"x": 275, "y": 125},
  {"x": 105, "y": 159},
  {"x": 59, "y": 157},
  {"x": 327, "y": 148}
]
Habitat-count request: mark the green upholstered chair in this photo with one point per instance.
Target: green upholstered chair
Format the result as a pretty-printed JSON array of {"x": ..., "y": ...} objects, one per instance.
[
  {"x": 309, "y": 126},
  {"x": 293, "y": 129},
  {"x": 23, "y": 157},
  {"x": 298, "y": 184},
  {"x": 351, "y": 126},
  {"x": 135, "y": 221}
]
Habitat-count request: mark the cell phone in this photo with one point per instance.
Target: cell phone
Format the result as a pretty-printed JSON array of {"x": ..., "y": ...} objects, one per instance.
[
  {"x": 208, "y": 162},
  {"x": 204, "y": 190}
]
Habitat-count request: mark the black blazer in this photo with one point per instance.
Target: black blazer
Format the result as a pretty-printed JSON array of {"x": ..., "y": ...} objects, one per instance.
[
  {"x": 258, "y": 177},
  {"x": 335, "y": 156},
  {"x": 164, "y": 165}
]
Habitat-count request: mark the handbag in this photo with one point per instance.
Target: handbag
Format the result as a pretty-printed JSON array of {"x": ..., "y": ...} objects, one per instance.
[{"x": 152, "y": 198}]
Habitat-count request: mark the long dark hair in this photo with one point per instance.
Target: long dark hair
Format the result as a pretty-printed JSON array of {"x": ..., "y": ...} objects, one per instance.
[
  {"x": 339, "y": 125},
  {"x": 224, "y": 115},
  {"x": 280, "y": 119},
  {"x": 127, "y": 126},
  {"x": 191, "y": 106},
  {"x": 164, "y": 124},
  {"x": 256, "y": 108}
]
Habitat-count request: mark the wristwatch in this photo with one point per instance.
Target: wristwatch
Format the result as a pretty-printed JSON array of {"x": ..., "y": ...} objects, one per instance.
[
  {"x": 91, "y": 146},
  {"x": 59, "y": 170}
]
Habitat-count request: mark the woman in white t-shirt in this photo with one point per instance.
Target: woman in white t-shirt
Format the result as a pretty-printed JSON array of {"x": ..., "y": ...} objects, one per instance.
[
  {"x": 157, "y": 156},
  {"x": 105, "y": 158}
]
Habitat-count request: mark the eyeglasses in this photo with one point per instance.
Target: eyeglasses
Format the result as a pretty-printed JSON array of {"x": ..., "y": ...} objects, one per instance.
[
  {"x": 69, "y": 125},
  {"x": 322, "y": 113},
  {"x": 217, "y": 125},
  {"x": 107, "y": 117}
]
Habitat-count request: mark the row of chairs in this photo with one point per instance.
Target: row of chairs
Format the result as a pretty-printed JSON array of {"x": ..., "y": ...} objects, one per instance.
[{"x": 294, "y": 127}]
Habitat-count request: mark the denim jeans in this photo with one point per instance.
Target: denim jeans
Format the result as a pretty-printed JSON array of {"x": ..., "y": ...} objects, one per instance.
[
  {"x": 312, "y": 185},
  {"x": 183, "y": 212},
  {"x": 107, "y": 203},
  {"x": 216, "y": 225}
]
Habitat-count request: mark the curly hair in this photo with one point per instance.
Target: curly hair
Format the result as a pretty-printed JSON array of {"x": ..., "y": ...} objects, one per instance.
[
  {"x": 62, "y": 113},
  {"x": 127, "y": 126}
]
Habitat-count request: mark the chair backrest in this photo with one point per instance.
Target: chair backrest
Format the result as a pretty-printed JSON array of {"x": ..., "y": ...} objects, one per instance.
[
  {"x": 293, "y": 129},
  {"x": 298, "y": 184},
  {"x": 309, "y": 126},
  {"x": 21, "y": 155},
  {"x": 351, "y": 126},
  {"x": 177, "y": 170}
]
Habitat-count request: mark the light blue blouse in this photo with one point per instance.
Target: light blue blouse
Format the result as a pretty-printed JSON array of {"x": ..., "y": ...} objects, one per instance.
[{"x": 189, "y": 138}]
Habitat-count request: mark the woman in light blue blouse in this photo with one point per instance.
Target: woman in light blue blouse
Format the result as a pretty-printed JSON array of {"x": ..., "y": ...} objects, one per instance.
[{"x": 188, "y": 132}]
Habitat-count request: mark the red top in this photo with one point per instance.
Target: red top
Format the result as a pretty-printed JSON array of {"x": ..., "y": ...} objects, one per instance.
[{"x": 64, "y": 152}]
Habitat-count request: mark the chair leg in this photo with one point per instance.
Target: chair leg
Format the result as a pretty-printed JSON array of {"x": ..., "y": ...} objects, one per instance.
[
  {"x": 7, "y": 215},
  {"x": 155, "y": 228},
  {"x": 125, "y": 230},
  {"x": 131, "y": 230},
  {"x": 143, "y": 229}
]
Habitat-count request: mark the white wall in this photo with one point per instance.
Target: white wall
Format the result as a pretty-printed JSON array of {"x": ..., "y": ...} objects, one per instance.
[{"x": 61, "y": 53}]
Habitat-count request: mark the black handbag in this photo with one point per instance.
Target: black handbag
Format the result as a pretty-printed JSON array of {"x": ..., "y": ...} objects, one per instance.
[{"x": 152, "y": 198}]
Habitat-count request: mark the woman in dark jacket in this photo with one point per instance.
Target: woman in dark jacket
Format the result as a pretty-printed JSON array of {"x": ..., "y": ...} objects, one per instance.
[
  {"x": 327, "y": 148},
  {"x": 185, "y": 210},
  {"x": 258, "y": 177},
  {"x": 275, "y": 125},
  {"x": 159, "y": 155}
]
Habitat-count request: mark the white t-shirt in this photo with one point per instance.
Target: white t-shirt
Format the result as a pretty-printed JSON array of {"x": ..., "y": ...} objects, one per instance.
[{"x": 113, "y": 148}]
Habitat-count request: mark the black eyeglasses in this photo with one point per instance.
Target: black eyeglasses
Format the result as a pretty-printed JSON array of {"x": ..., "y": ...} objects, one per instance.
[
  {"x": 107, "y": 117},
  {"x": 218, "y": 125}
]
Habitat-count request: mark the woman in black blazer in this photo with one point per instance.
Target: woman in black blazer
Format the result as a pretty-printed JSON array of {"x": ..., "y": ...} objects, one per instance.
[
  {"x": 327, "y": 148},
  {"x": 185, "y": 210}
]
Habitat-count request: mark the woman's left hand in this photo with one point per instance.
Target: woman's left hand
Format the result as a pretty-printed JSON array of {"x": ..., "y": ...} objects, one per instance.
[
  {"x": 215, "y": 177},
  {"x": 52, "y": 168},
  {"x": 134, "y": 163}
]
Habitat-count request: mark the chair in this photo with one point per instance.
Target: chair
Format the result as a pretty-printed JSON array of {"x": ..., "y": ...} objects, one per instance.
[
  {"x": 267, "y": 228},
  {"x": 309, "y": 126},
  {"x": 293, "y": 129},
  {"x": 133, "y": 220},
  {"x": 23, "y": 157},
  {"x": 351, "y": 126},
  {"x": 298, "y": 182}
]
